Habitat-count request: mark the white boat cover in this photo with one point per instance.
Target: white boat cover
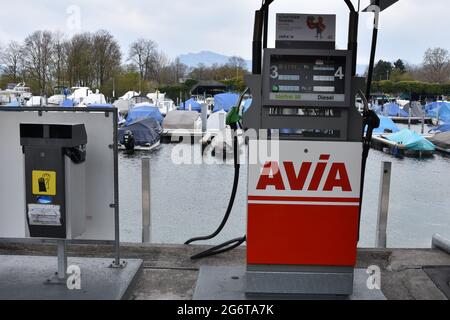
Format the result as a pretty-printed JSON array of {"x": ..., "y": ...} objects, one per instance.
[{"x": 186, "y": 120}]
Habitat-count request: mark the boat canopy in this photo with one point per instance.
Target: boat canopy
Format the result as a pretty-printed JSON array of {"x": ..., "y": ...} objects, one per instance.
[
  {"x": 392, "y": 110},
  {"x": 67, "y": 103},
  {"x": 192, "y": 105},
  {"x": 142, "y": 111},
  {"x": 442, "y": 111},
  {"x": 14, "y": 104},
  {"x": 101, "y": 105},
  {"x": 416, "y": 109},
  {"x": 386, "y": 125},
  {"x": 146, "y": 131},
  {"x": 411, "y": 140},
  {"x": 441, "y": 140},
  {"x": 122, "y": 105},
  {"x": 443, "y": 128},
  {"x": 225, "y": 101},
  {"x": 178, "y": 119},
  {"x": 217, "y": 121}
]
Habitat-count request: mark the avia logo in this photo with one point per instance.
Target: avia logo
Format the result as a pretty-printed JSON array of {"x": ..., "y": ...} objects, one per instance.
[{"x": 337, "y": 176}]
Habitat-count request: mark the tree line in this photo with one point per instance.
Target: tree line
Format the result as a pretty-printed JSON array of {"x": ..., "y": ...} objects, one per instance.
[
  {"x": 431, "y": 77},
  {"x": 49, "y": 60}
]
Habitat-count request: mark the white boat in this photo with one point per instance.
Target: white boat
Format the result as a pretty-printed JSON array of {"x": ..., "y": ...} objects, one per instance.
[
  {"x": 18, "y": 93},
  {"x": 36, "y": 101},
  {"x": 56, "y": 99},
  {"x": 159, "y": 100},
  {"x": 129, "y": 95},
  {"x": 93, "y": 98},
  {"x": 79, "y": 94}
]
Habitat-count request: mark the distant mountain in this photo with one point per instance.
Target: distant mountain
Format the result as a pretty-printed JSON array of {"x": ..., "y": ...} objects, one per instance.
[{"x": 206, "y": 57}]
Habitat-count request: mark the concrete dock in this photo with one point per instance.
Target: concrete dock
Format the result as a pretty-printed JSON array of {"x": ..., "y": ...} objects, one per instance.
[{"x": 170, "y": 274}]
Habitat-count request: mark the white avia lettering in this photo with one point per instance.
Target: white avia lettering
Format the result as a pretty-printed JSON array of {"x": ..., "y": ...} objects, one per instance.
[{"x": 337, "y": 176}]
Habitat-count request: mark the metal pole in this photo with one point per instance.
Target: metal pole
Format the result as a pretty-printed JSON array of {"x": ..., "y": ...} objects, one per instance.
[
  {"x": 204, "y": 118},
  {"x": 146, "y": 212},
  {"x": 117, "y": 262},
  {"x": 62, "y": 259},
  {"x": 423, "y": 123},
  {"x": 383, "y": 205},
  {"x": 409, "y": 115}
]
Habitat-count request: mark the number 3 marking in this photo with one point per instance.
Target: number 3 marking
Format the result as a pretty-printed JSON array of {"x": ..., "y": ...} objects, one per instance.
[{"x": 274, "y": 72}]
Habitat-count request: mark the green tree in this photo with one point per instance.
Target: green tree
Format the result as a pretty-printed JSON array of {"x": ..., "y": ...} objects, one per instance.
[
  {"x": 399, "y": 65},
  {"x": 382, "y": 70}
]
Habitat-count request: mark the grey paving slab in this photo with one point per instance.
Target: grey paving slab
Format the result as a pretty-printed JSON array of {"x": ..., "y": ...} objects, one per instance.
[
  {"x": 227, "y": 283},
  {"x": 24, "y": 278}
]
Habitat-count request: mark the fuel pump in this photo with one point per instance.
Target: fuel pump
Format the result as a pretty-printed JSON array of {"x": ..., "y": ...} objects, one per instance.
[
  {"x": 55, "y": 175},
  {"x": 304, "y": 205}
]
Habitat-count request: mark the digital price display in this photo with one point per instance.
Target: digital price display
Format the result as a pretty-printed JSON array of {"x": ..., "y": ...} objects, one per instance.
[{"x": 307, "y": 78}]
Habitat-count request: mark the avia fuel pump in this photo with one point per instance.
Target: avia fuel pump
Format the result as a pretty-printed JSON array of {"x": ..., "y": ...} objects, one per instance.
[
  {"x": 304, "y": 205},
  {"x": 307, "y": 151}
]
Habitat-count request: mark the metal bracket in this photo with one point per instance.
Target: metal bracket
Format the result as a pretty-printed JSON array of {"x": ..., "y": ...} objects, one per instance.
[{"x": 121, "y": 265}]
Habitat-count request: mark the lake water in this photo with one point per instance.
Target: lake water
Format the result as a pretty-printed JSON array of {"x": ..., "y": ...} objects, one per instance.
[{"x": 190, "y": 200}]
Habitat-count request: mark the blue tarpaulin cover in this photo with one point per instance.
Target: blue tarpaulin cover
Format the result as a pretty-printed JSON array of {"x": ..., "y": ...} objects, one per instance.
[
  {"x": 411, "y": 140},
  {"x": 392, "y": 110},
  {"x": 101, "y": 105},
  {"x": 433, "y": 106},
  {"x": 441, "y": 108},
  {"x": 225, "y": 101},
  {"x": 68, "y": 103},
  {"x": 145, "y": 131},
  {"x": 443, "y": 128},
  {"x": 385, "y": 125},
  {"x": 142, "y": 111},
  {"x": 14, "y": 104},
  {"x": 195, "y": 106}
]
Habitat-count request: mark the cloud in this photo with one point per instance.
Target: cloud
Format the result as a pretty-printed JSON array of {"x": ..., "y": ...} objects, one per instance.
[{"x": 179, "y": 26}]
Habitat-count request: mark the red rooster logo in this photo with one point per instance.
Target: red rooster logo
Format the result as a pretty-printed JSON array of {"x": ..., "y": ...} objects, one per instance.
[{"x": 319, "y": 25}]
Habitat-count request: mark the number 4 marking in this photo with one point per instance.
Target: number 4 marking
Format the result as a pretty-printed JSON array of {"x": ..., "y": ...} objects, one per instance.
[{"x": 339, "y": 73}]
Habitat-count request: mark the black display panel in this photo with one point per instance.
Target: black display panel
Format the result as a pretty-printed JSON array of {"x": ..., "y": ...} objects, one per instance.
[{"x": 307, "y": 78}]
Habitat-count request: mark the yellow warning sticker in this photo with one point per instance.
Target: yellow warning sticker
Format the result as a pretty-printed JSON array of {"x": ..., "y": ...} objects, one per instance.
[{"x": 44, "y": 183}]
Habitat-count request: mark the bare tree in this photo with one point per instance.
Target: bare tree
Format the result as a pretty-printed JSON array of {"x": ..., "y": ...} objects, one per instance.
[
  {"x": 157, "y": 66},
  {"x": 59, "y": 58},
  {"x": 436, "y": 65},
  {"x": 80, "y": 59},
  {"x": 237, "y": 63},
  {"x": 12, "y": 58},
  {"x": 38, "y": 57},
  {"x": 179, "y": 70},
  {"x": 107, "y": 56},
  {"x": 142, "y": 53}
]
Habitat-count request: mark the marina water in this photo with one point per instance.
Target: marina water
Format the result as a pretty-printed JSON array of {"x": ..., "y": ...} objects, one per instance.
[{"x": 190, "y": 200}]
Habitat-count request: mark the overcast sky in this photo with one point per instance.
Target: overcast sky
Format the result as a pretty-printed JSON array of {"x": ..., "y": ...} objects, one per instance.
[{"x": 225, "y": 26}]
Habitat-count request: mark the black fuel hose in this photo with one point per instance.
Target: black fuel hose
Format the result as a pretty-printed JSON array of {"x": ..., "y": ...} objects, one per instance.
[
  {"x": 221, "y": 248},
  {"x": 231, "y": 244},
  {"x": 237, "y": 167}
]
